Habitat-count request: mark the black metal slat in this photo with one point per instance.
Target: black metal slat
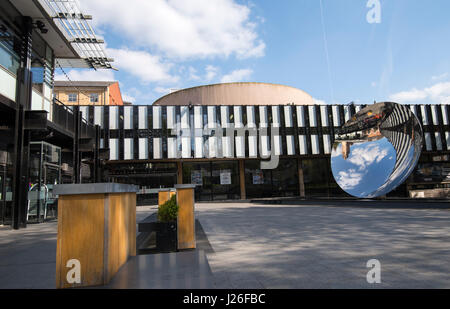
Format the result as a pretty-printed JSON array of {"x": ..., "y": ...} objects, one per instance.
[
  {"x": 307, "y": 130},
  {"x": 135, "y": 126},
  {"x": 319, "y": 129},
  {"x": 121, "y": 133},
  {"x": 149, "y": 128},
  {"x": 164, "y": 131},
  {"x": 283, "y": 130},
  {"x": 106, "y": 130},
  {"x": 231, "y": 122}
]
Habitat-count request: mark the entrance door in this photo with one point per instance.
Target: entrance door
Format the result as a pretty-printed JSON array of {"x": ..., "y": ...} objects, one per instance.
[{"x": 51, "y": 178}]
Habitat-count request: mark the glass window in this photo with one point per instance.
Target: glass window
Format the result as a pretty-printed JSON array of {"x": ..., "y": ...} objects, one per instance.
[
  {"x": 1, "y": 188},
  {"x": 218, "y": 180},
  {"x": 9, "y": 59},
  {"x": 225, "y": 180},
  {"x": 258, "y": 182},
  {"x": 285, "y": 178},
  {"x": 6, "y": 172},
  {"x": 44, "y": 172},
  {"x": 37, "y": 68},
  {"x": 72, "y": 97},
  {"x": 94, "y": 97},
  {"x": 282, "y": 181},
  {"x": 147, "y": 176},
  {"x": 316, "y": 176},
  {"x": 200, "y": 175}
]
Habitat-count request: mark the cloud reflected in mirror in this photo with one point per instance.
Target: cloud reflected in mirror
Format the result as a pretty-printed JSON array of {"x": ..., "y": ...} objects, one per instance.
[{"x": 376, "y": 150}]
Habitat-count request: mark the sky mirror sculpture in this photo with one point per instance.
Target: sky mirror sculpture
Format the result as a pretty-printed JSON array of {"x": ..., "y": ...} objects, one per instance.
[{"x": 376, "y": 150}]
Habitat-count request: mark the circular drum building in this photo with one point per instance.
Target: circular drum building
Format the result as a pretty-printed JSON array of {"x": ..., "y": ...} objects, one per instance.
[{"x": 237, "y": 94}]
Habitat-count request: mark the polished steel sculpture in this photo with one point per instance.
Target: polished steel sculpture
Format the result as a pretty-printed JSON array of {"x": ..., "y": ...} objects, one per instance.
[{"x": 376, "y": 150}]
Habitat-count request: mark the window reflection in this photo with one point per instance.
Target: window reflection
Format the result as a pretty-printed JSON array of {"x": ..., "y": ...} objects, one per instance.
[{"x": 282, "y": 181}]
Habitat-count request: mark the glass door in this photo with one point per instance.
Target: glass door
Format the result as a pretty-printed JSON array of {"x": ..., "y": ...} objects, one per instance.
[
  {"x": 51, "y": 178},
  {"x": 199, "y": 174},
  {"x": 2, "y": 194}
]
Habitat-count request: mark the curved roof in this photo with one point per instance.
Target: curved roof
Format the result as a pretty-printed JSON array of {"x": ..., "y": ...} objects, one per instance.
[{"x": 244, "y": 93}]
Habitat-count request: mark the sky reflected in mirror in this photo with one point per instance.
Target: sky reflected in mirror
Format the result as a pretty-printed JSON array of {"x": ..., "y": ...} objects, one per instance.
[{"x": 376, "y": 150}]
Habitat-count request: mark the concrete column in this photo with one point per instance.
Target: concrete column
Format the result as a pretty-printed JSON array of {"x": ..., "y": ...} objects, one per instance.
[{"x": 242, "y": 179}]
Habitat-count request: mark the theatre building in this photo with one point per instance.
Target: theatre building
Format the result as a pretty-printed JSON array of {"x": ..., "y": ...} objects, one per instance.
[{"x": 182, "y": 138}]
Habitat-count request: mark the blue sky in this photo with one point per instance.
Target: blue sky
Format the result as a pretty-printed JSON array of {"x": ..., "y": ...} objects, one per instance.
[{"x": 160, "y": 45}]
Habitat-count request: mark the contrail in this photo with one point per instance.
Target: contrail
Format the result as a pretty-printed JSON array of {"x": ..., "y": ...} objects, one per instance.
[{"x": 325, "y": 41}]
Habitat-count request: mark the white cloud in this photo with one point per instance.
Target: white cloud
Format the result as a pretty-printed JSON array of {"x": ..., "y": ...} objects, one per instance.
[
  {"x": 237, "y": 76},
  {"x": 182, "y": 29},
  {"x": 193, "y": 74},
  {"x": 365, "y": 156},
  {"x": 165, "y": 91},
  {"x": 349, "y": 180},
  {"x": 128, "y": 98},
  {"x": 211, "y": 72},
  {"x": 439, "y": 77},
  {"x": 319, "y": 102},
  {"x": 409, "y": 96},
  {"x": 147, "y": 67},
  {"x": 86, "y": 75},
  {"x": 438, "y": 93}
]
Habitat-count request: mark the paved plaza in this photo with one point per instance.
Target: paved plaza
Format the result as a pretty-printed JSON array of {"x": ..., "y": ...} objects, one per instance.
[
  {"x": 258, "y": 245},
  {"x": 280, "y": 246},
  {"x": 28, "y": 256}
]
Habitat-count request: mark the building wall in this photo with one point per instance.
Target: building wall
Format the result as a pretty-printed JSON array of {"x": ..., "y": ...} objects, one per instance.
[
  {"x": 144, "y": 132},
  {"x": 106, "y": 95},
  {"x": 62, "y": 94},
  {"x": 115, "y": 97}
]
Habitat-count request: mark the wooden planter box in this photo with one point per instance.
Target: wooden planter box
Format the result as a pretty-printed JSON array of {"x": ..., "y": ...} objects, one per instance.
[
  {"x": 177, "y": 235},
  {"x": 186, "y": 218},
  {"x": 97, "y": 229}
]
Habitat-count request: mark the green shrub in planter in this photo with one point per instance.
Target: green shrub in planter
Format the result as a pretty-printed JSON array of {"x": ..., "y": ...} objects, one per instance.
[{"x": 168, "y": 212}]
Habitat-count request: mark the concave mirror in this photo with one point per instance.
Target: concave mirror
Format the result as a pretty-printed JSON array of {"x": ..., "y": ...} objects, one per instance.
[{"x": 376, "y": 150}]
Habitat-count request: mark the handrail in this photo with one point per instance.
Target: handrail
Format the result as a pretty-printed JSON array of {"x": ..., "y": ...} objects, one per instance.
[
  {"x": 66, "y": 107},
  {"x": 62, "y": 104}
]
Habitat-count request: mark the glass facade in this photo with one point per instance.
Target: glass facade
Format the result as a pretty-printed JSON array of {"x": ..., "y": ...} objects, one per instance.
[
  {"x": 216, "y": 180},
  {"x": 9, "y": 64},
  {"x": 145, "y": 175},
  {"x": 41, "y": 65},
  {"x": 282, "y": 181},
  {"x": 225, "y": 180},
  {"x": 5, "y": 188},
  {"x": 44, "y": 173},
  {"x": 316, "y": 176},
  {"x": 258, "y": 182},
  {"x": 9, "y": 59},
  {"x": 148, "y": 176},
  {"x": 199, "y": 174}
]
